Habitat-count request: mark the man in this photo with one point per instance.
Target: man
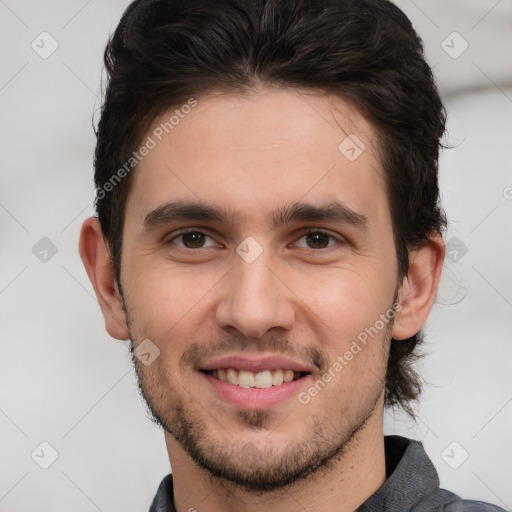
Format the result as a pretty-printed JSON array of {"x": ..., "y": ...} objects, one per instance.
[{"x": 269, "y": 236}]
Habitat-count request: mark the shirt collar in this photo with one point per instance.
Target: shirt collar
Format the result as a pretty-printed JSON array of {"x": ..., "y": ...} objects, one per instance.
[{"x": 411, "y": 477}]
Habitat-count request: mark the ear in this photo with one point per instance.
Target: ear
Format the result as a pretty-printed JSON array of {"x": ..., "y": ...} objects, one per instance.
[
  {"x": 100, "y": 270},
  {"x": 419, "y": 288}
]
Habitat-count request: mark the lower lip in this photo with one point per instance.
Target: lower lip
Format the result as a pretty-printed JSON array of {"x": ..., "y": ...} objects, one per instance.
[{"x": 255, "y": 398}]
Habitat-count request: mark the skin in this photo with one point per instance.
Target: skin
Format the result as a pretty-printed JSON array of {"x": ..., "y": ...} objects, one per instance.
[{"x": 305, "y": 298}]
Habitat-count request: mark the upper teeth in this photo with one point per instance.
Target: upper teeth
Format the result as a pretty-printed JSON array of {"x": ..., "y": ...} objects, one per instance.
[{"x": 261, "y": 380}]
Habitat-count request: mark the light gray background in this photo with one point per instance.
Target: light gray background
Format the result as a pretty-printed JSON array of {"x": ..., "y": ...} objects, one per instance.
[{"x": 63, "y": 380}]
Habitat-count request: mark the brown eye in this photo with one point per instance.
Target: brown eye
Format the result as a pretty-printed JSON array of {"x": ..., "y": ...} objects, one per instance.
[
  {"x": 190, "y": 240},
  {"x": 319, "y": 240},
  {"x": 316, "y": 239},
  {"x": 193, "y": 240}
]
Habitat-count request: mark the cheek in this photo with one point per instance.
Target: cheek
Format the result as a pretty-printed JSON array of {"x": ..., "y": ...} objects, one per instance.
[
  {"x": 345, "y": 302},
  {"x": 169, "y": 304}
]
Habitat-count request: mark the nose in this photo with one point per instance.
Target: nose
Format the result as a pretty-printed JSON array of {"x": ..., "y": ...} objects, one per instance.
[{"x": 255, "y": 298}]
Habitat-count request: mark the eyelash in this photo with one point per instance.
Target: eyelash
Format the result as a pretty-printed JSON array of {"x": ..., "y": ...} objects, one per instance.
[{"x": 302, "y": 234}]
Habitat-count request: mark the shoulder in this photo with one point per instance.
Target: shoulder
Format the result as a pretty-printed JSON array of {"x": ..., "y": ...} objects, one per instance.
[
  {"x": 442, "y": 500},
  {"x": 414, "y": 480},
  {"x": 479, "y": 506}
]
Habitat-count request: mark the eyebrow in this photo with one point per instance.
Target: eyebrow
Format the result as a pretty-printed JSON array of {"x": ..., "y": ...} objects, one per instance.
[{"x": 181, "y": 210}]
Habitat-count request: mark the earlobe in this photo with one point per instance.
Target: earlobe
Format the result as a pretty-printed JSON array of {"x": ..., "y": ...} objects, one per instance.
[
  {"x": 419, "y": 288},
  {"x": 98, "y": 265}
]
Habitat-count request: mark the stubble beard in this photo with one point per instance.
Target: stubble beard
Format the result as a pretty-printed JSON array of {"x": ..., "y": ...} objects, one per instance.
[{"x": 255, "y": 468}]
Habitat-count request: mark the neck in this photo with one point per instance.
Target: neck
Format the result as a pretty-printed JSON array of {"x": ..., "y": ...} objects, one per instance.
[{"x": 350, "y": 480}]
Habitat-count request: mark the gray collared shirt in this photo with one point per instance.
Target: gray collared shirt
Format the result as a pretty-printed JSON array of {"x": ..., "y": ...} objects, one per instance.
[{"x": 412, "y": 485}]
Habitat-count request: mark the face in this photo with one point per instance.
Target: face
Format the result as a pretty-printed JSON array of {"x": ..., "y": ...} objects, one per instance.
[{"x": 234, "y": 267}]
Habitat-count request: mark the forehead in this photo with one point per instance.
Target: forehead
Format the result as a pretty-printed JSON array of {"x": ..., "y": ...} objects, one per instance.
[{"x": 251, "y": 152}]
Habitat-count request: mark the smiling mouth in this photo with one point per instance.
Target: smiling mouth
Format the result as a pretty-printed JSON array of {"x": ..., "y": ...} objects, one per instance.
[{"x": 260, "y": 380}]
